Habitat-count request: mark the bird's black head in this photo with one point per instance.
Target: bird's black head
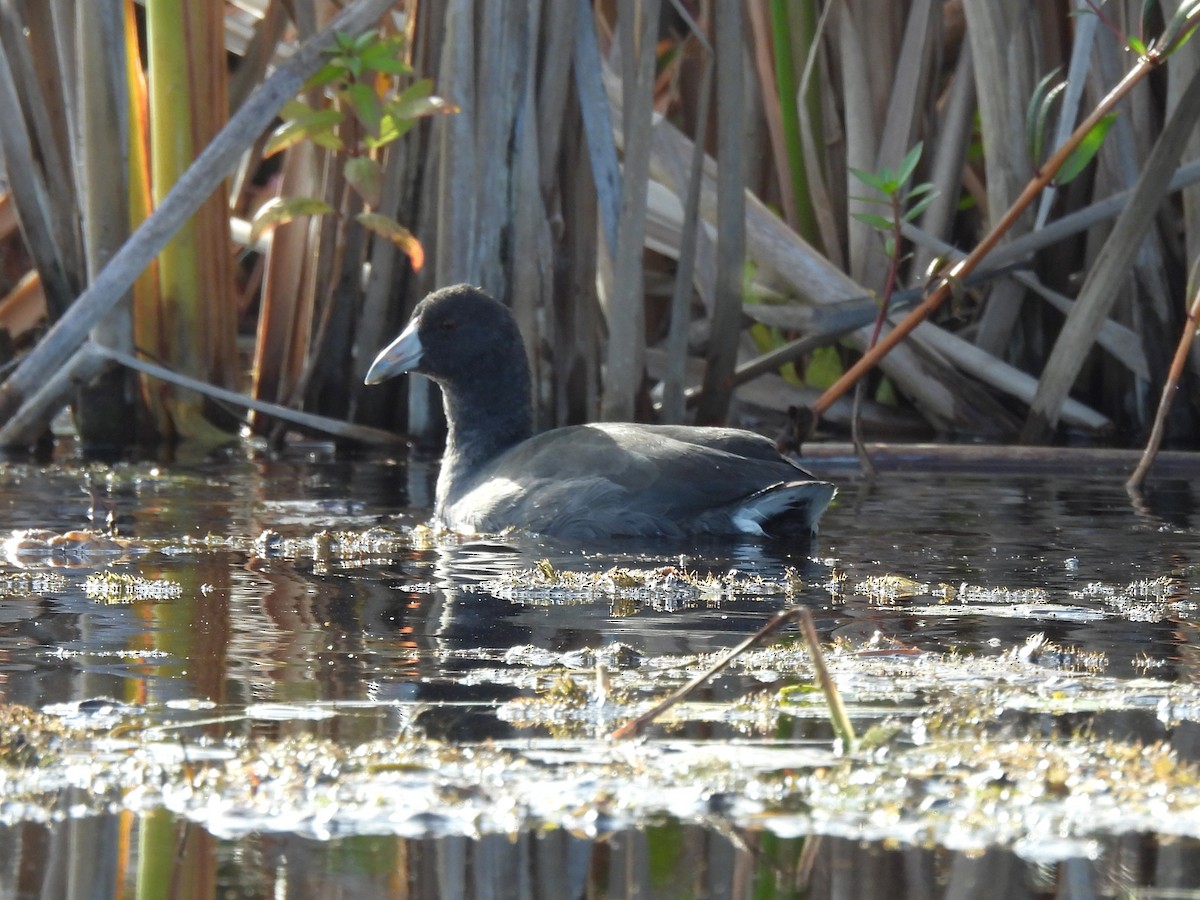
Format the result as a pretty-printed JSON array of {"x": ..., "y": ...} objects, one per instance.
[{"x": 455, "y": 333}]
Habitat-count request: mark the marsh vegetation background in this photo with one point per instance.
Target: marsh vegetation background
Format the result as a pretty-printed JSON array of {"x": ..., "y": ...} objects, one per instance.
[{"x": 688, "y": 204}]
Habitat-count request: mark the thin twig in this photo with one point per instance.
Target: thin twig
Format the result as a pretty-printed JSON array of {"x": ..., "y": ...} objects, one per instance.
[
  {"x": 634, "y": 726},
  {"x": 1168, "y": 395},
  {"x": 837, "y": 709},
  {"x": 336, "y": 427}
]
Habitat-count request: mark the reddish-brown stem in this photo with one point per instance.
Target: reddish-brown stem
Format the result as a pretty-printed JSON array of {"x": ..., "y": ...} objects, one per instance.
[
  {"x": 945, "y": 285},
  {"x": 1168, "y": 393}
]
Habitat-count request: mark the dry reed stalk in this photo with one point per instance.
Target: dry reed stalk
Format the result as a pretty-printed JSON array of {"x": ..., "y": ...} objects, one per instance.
[
  {"x": 100, "y": 148},
  {"x": 1099, "y": 290},
  {"x": 1005, "y": 50},
  {"x": 713, "y": 404},
  {"x": 638, "y": 26},
  {"x": 208, "y": 171},
  {"x": 957, "y": 273},
  {"x": 28, "y": 183}
]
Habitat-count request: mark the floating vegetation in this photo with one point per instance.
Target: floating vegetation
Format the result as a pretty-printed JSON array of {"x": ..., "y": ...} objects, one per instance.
[
  {"x": 892, "y": 588},
  {"x": 662, "y": 588},
  {"x": 25, "y": 583},
  {"x": 67, "y": 549},
  {"x": 1040, "y": 651},
  {"x": 346, "y": 549},
  {"x": 1142, "y": 600},
  {"x": 940, "y": 771},
  {"x": 119, "y": 587}
]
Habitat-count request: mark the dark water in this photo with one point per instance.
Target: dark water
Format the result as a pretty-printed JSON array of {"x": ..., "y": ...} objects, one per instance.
[{"x": 266, "y": 641}]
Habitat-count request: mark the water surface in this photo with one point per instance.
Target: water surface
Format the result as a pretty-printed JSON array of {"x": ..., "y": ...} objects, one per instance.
[{"x": 297, "y": 691}]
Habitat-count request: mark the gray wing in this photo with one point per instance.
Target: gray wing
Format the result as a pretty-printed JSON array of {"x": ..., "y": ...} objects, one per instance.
[{"x": 600, "y": 480}]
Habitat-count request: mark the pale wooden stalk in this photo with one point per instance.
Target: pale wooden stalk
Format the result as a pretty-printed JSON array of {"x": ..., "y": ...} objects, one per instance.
[
  {"x": 626, "y": 314},
  {"x": 1004, "y": 50},
  {"x": 764, "y": 67},
  {"x": 31, "y": 46},
  {"x": 104, "y": 410},
  {"x": 31, "y": 199},
  {"x": 91, "y": 357},
  {"x": 948, "y": 156},
  {"x": 1146, "y": 296},
  {"x": 725, "y": 331},
  {"x": 454, "y": 201},
  {"x": 862, "y": 243},
  {"x": 692, "y": 236},
  {"x": 531, "y": 255},
  {"x": 907, "y": 109},
  {"x": 812, "y": 130},
  {"x": 598, "y": 128}
]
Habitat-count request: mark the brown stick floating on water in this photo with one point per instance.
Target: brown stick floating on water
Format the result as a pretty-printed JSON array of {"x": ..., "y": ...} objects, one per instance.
[{"x": 837, "y": 711}]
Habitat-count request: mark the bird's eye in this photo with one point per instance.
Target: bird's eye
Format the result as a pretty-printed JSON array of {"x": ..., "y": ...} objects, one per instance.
[{"x": 447, "y": 324}]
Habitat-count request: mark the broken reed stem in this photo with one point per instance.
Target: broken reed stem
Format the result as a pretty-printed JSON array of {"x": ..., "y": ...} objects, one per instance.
[
  {"x": 633, "y": 726},
  {"x": 1168, "y": 394},
  {"x": 947, "y": 282},
  {"x": 837, "y": 711}
]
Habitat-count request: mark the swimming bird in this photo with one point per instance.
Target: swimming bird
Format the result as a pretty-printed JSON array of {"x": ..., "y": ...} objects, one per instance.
[{"x": 582, "y": 481}]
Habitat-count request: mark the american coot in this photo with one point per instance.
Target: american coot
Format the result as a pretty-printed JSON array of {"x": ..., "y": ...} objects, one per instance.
[{"x": 584, "y": 481}]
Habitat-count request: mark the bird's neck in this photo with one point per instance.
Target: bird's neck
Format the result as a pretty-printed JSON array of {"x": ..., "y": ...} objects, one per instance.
[{"x": 483, "y": 420}]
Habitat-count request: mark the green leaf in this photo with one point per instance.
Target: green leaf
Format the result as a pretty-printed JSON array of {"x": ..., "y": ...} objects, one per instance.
[
  {"x": 397, "y": 234},
  {"x": 390, "y": 129},
  {"x": 366, "y": 177},
  {"x": 1037, "y": 116},
  {"x": 1181, "y": 27},
  {"x": 327, "y": 74},
  {"x": 295, "y": 109},
  {"x": 400, "y": 114},
  {"x": 877, "y": 181},
  {"x": 364, "y": 40},
  {"x": 919, "y": 207},
  {"x": 314, "y": 126},
  {"x": 386, "y": 56},
  {"x": 886, "y": 393},
  {"x": 280, "y": 210},
  {"x": 365, "y": 103},
  {"x": 824, "y": 367},
  {"x": 908, "y": 165},
  {"x": 329, "y": 140},
  {"x": 882, "y": 223},
  {"x": 1086, "y": 151},
  {"x": 1137, "y": 45}
]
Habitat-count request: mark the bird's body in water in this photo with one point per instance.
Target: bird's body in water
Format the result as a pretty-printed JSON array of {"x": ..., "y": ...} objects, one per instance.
[{"x": 584, "y": 481}]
